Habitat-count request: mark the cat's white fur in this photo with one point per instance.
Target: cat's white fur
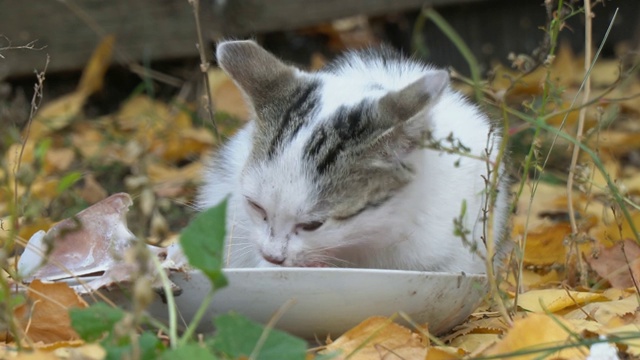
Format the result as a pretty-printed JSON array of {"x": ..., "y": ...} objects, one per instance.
[{"x": 413, "y": 230}]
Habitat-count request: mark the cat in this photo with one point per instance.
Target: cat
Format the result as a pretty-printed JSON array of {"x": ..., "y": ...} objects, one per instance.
[{"x": 367, "y": 163}]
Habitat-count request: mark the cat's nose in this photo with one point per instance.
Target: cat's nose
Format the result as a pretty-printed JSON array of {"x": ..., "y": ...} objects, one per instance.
[{"x": 274, "y": 259}]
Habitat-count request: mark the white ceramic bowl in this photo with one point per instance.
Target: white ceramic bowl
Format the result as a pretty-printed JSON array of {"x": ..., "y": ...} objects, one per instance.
[{"x": 331, "y": 300}]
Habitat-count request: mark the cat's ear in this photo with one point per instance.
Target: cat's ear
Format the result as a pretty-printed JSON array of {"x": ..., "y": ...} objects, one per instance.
[
  {"x": 398, "y": 110},
  {"x": 404, "y": 104},
  {"x": 256, "y": 71}
]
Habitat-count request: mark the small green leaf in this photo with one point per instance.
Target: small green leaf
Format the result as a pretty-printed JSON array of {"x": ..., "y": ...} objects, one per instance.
[
  {"x": 237, "y": 336},
  {"x": 328, "y": 356},
  {"x": 41, "y": 149},
  {"x": 93, "y": 322},
  {"x": 67, "y": 181},
  {"x": 203, "y": 243},
  {"x": 189, "y": 351},
  {"x": 148, "y": 348}
]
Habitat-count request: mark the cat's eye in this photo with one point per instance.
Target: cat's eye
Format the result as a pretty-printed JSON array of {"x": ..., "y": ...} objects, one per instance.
[
  {"x": 258, "y": 209},
  {"x": 310, "y": 226}
]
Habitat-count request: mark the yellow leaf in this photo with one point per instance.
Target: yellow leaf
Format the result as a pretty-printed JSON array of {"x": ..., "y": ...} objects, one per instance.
[
  {"x": 628, "y": 330},
  {"x": 473, "y": 342},
  {"x": 61, "y": 112},
  {"x": 45, "y": 315},
  {"x": 547, "y": 221},
  {"x": 57, "y": 160},
  {"x": 226, "y": 96},
  {"x": 57, "y": 114},
  {"x": 145, "y": 116},
  {"x": 181, "y": 145},
  {"x": 93, "y": 74},
  {"x": 530, "y": 279},
  {"x": 45, "y": 189},
  {"x": 564, "y": 70},
  {"x": 605, "y": 72},
  {"x": 159, "y": 174},
  {"x": 13, "y": 353},
  {"x": 444, "y": 353},
  {"x": 539, "y": 332},
  {"x": 488, "y": 325},
  {"x": 40, "y": 223},
  {"x": 545, "y": 245},
  {"x": 555, "y": 299},
  {"x": 378, "y": 338},
  {"x": 615, "y": 143},
  {"x": 585, "y": 325},
  {"x": 88, "y": 142},
  {"x": 605, "y": 312},
  {"x": 610, "y": 234}
]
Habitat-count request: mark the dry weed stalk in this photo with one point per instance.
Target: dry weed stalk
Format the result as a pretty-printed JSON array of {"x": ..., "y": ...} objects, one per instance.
[{"x": 579, "y": 137}]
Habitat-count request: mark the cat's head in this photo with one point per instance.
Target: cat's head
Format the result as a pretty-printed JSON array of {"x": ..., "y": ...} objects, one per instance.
[{"x": 329, "y": 148}]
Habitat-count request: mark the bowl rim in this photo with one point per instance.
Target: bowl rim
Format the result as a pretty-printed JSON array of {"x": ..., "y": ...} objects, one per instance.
[{"x": 350, "y": 271}]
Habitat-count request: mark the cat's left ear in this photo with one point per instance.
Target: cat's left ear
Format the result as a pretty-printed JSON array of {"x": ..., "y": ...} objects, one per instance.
[
  {"x": 404, "y": 104},
  {"x": 256, "y": 71}
]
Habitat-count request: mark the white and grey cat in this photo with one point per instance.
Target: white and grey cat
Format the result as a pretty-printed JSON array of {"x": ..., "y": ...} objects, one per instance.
[{"x": 333, "y": 168}]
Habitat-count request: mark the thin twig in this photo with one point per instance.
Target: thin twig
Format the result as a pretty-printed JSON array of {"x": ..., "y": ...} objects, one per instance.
[
  {"x": 581, "y": 118},
  {"x": 31, "y": 45},
  {"x": 35, "y": 105},
  {"x": 204, "y": 66},
  {"x": 267, "y": 329}
]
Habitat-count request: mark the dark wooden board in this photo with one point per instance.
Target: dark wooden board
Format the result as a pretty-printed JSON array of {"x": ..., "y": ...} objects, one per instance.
[{"x": 148, "y": 30}]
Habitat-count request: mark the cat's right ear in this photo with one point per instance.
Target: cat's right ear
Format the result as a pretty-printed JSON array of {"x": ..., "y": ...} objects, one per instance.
[{"x": 256, "y": 71}]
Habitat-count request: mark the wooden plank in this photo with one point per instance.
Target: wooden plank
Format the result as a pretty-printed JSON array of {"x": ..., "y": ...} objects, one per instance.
[
  {"x": 148, "y": 30},
  {"x": 247, "y": 16}
]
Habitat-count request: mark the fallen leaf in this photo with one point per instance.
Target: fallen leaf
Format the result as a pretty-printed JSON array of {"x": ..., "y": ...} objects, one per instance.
[
  {"x": 619, "y": 264},
  {"x": 226, "y": 96},
  {"x": 472, "y": 342},
  {"x": 615, "y": 143},
  {"x": 530, "y": 279},
  {"x": 377, "y": 338},
  {"x": 167, "y": 175},
  {"x": 542, "y": 216},
  {"x": 93, "y": 74},
  {"x": 58, "y": 160},
  {"x": 10, "y": 352},
  {"x": 611, "y": 233},
  {"x": 490, "y": 325},
  {"x": 44, "y": 317},
  {"x": 631, "y": 332},
  {"x": 62, "y": 111},
  {"x": 89, "y": 142},
  {"x": 552, "y": 300},
  {"x": 91, "y": 191},
  {"x": 604, "y": 312},
  {"x": 539, "y": 332}
]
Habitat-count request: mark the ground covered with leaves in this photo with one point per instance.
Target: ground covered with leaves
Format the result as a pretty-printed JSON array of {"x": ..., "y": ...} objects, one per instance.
[{"x": 570, "y": 289}]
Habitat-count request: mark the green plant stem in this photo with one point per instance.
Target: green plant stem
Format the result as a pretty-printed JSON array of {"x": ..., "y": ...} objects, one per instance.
[
  {"x": 539, "y": 122},
  {"x": 583, "y": 113},
  {"x": 452, "y": 35},
  {"x": 171, "y": 302},
  {"x": 554, "y": 31},
  {"x": 270, "y": 325},
  {"x": 197, "y": 317}
]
